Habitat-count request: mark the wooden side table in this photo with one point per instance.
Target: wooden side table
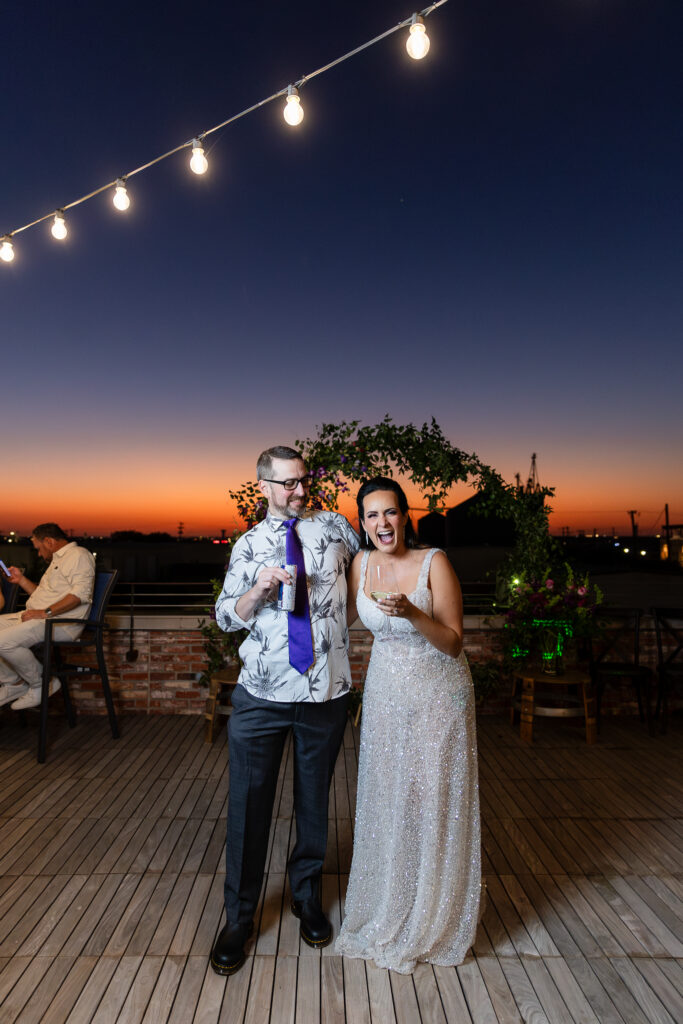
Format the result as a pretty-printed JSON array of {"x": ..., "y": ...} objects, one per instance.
[
  {"x": 221, "y": 686},
  {"x": 539, "y": 699}
]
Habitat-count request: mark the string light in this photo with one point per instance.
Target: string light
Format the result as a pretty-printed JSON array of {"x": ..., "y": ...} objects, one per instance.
[
  {"x": 59, "y": 226},
  {"x": 7, "y": 249},
  {"x": 417, "y": 46},
  {"x": 417, "y": 43},
  {"x": 121, "y": 198},
  {"x": 293, "y": 112},
  {"x": 198, "y": 163}
]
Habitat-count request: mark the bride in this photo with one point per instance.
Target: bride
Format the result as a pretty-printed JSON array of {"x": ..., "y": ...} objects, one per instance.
[{"x": 414, "y": 888}]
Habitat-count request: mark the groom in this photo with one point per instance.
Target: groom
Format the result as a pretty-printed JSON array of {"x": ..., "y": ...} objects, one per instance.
[{"x": 295, "y": 678}]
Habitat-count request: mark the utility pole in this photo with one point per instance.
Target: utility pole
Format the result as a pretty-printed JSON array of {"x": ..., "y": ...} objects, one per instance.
[
  {"x": 667, "y": 527},
  {"x": 634, "y": 525}
]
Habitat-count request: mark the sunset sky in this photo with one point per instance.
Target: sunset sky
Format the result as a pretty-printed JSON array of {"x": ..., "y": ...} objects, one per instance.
[{"x": 491, "y": 236}]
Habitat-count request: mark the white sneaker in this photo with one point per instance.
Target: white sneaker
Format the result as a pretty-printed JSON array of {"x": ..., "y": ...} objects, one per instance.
[
  {"x": 10, "y": 691},
  {"x": 31, "y": 698}
]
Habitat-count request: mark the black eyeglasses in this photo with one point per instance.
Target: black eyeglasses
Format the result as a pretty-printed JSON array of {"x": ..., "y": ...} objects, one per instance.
[{"x": 292, "y": 483}]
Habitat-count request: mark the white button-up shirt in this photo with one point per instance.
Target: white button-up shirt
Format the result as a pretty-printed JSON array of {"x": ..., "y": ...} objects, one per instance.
[
  {"x": 329, "y": 544},
  {"x": 71, "y": 571}
]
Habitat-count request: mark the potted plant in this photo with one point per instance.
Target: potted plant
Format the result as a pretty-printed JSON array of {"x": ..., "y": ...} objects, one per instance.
[{"x": 547, "y": 611}]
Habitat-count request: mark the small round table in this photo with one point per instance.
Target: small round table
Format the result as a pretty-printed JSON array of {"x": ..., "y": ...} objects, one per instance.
[{"x": 538, "y": 697}]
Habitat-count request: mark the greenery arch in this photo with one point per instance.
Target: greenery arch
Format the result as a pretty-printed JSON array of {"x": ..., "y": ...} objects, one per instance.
[{"x": 343, "y": 454}]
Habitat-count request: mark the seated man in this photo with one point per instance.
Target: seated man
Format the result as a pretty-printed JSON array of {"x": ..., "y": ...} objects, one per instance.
[{"x": 65, "y": 591}]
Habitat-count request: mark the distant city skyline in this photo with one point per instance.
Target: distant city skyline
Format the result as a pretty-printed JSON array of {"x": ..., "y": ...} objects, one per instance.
[{"x": 490, "y": 236}]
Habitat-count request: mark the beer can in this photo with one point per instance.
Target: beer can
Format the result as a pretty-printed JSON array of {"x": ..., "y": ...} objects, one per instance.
[{"x": 286, "y": 592}]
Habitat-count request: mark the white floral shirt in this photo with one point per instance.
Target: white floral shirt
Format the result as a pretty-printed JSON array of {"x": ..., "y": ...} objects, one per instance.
[{"x": 329, "y": 544}]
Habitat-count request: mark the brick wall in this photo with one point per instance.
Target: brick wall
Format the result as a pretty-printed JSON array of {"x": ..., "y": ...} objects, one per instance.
[{"x": 162, "y": 679}]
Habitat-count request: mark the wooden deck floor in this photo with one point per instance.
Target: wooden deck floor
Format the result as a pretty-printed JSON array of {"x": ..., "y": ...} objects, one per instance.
[{"x": 110, "y": 886}]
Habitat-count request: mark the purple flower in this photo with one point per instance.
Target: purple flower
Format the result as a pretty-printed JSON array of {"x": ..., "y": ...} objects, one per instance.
[
  {"x": 581, "y": 591},
  {"x": 550, "y": 584}
]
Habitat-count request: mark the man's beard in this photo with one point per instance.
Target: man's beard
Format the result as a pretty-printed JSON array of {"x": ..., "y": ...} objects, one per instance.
[{"x": 288, "y": 511}]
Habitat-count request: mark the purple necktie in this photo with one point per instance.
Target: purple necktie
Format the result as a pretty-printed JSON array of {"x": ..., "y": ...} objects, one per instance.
[{"x": 299, "y": 620}]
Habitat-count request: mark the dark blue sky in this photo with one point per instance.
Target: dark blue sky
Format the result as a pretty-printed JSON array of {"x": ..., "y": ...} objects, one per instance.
[{"x": 491, "y": 236}]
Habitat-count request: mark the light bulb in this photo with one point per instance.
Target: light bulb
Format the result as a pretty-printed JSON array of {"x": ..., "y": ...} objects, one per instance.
[
  {"x": 293, "y": 112},
  {"x": 59, "y": 226},
  {"x": 121, "y": 198},
  {"x": 7, "y": 250},
  {"x": 198, "y": 163},
  {"x": 417, "y": 43}
]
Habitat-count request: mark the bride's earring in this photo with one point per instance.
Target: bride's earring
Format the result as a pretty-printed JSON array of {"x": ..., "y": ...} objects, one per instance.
[{"x": 367, "y": 539}]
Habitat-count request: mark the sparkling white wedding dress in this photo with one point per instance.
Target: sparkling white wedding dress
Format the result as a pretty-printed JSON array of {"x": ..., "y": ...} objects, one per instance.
[{"x": 415, "y": 881}]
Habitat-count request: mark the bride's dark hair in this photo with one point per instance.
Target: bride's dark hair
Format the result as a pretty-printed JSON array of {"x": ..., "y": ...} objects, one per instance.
[{"x": 385, "y": 483}]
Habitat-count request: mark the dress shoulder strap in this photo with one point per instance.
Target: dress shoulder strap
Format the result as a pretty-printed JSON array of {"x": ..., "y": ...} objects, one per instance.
[
  {"x": 363, "y": 572},
  {"x": 423, "y": 578}
]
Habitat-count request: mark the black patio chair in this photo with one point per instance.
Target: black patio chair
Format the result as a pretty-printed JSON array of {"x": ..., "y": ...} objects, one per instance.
[
  {"x": 10, "y": 592},
  {"x": 669, "y": 632},
  {"x": 55, "y": 665},
  {"x": 615, "y": 655}
]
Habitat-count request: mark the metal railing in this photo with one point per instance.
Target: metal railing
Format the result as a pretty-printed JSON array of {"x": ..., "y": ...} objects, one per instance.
[{"x": 183, "y": 598}]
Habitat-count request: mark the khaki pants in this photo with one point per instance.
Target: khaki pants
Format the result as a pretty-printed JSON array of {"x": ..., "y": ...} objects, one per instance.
[{"x": 17, "y": 661}]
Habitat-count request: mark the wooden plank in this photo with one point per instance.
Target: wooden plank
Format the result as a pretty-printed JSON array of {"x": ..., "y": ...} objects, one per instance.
[
  {"x": 140, "y": 991},
  {"x": 658, "y": 981},
  {"x": 212, "y": 918},
  {"x": 308, "y": 990},
  {"x": 331, "y": 990},
  {"x": 170, "y": 918},
  {"x": 158, "y": 1007},
  {"x": 139, "y": 910},
  {"x": 532, "y": 922},
  {"x": 181, "y": 944},
  {"x": 260, "y": 990},
  {"x": 520, "y": 938},
  {"x": 102, "y": 932},
  {"x": 187, "y": 992},
  {"x": 61, "y": 1009},
  {"x": 283, "y": 1006},
  {"x": 570, "y": 991},
  {"x": 585, "y": 927},
  {"x": 673, "y": 972},
  {"x": 499, "y": 991},
  {"x": 452, "y": 996},
  {"x": 658, "y": 920},
  {"x": 100, "y": 892},
  {"x": 600, "y": 1002},
  {"x": 647, "y": 999},
  {"x": 476, "y": 993},
  {"x": 603, "y": 923},
  {"x": 44, "y": 927},
  {"x": 428, "y": 997},
  {"x": 405, "y": 998},
  {"x": 617, "y": 992},
  {"x": 117, "y": 990},
  {"x": 31, "y": 918}
]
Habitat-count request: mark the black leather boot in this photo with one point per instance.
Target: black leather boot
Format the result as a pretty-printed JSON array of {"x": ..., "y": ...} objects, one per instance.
[
  {"x": 315, "y": 929},
  {"x": 227, "y": 955}
]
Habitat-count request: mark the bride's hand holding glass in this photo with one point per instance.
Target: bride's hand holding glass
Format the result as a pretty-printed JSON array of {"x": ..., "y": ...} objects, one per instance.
[{"x": 383, "y": 582}]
